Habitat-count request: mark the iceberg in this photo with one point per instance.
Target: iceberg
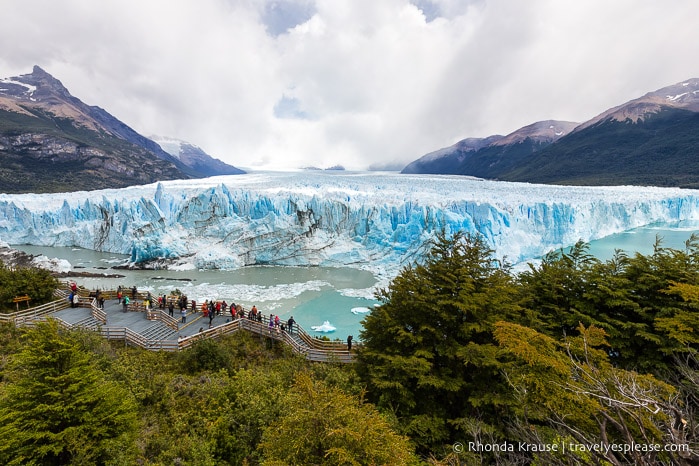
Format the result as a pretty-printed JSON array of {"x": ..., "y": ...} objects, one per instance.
[
  {"x": 374, "y": 221},
  {"x": 360, "y": 310},
  {"x": 325, "y": 328}
]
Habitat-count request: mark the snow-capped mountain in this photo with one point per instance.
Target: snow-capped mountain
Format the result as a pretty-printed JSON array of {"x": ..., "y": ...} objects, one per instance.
[
  {"x": 52, "y": 141},
  {"x": 683, "y": 95},
  {"x": 375, "y": 221},
  {"x": 194, "y": 157},
  {"x": 487, "y": 157},
  {"x": 650, "y": 140}
]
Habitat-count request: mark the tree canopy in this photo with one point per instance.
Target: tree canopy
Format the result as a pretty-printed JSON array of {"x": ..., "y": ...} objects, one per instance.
[
  {"x": 428, "y": 353},
  {"x": 573, "y": 351},
  {"x": 59, "y": 407},
  {"x": 36, "y": 283}
]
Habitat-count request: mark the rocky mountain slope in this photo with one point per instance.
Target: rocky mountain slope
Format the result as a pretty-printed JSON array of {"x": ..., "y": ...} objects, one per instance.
[
  {"x": 51, "y": 141},
  {"x": 195, "y": 157},
  {"x": 651, "y": 140},
  {"x": 488, "y": 157}
]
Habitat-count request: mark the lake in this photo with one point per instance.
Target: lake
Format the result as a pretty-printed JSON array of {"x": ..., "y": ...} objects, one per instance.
[{"x": 339, "y": 297}]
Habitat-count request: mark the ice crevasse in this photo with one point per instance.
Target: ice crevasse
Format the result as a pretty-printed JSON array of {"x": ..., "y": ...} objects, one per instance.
[{"x": 377, "y": 221}]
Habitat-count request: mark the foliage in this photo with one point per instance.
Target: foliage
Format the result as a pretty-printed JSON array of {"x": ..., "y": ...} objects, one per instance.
[
  {"x": 57, "y": 407},
  {"x": 585, "y": 400},
  {"x": 37, "y": 283},
  {"x": 427, "y": 352},
  {"x": 460, "y": 350},
  {"x": 639, "y": 301},
  {"x": 324, "y": 426}
]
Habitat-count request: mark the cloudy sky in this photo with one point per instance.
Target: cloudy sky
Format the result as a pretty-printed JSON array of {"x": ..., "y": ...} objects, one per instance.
[{"x": 291, "y": 83}]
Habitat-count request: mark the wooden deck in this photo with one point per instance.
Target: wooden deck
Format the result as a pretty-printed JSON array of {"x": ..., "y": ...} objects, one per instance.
[{"x": 157, "y": 330}]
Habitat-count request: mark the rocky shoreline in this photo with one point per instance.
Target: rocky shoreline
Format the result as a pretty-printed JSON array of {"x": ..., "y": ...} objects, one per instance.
[{"x": 15, "y": 258}]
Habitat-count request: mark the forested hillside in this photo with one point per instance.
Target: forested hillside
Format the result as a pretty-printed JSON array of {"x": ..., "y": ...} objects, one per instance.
[{"x": 575, "y": 361}]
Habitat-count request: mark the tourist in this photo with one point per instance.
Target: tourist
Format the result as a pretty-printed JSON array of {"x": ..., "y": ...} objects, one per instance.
[
  {"x": 290, "y": 324},
  {"x": 184, "y": 315},
  {"x": 171, "y": 308},
  {"x": 349, "y": 343},
  {"x": 125, "y": 301}
]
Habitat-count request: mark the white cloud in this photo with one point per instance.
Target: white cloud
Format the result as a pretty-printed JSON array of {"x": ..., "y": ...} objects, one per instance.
[{"x": 356, "y": 82}]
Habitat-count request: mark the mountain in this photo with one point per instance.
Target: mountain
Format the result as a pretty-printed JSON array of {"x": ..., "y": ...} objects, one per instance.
[
  {"x": 488, "y": 157},
  {"x": 194, "y": 157},
  {"x": 51, "y": 141},
  {"x": 651, "y": 140}
]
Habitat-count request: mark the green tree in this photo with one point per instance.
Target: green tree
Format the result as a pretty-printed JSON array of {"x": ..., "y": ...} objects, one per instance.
[
  {"x": 636, "y": 300},
  {"x": 58, "y": 407},
  {"x": 37, "y": 283},
  {"x": 569, "y": 393},
  {"x": 428, "y": 354},
  {"x": 322, "y": 425},
  {"x": 557, "y": 289}
]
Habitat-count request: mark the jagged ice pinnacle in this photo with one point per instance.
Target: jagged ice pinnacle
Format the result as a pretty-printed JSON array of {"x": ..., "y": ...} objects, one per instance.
[{"x": 375, "y": 221}]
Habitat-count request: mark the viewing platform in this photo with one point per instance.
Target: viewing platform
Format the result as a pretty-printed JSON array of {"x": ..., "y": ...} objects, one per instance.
[{"x": 156, "y": 330}]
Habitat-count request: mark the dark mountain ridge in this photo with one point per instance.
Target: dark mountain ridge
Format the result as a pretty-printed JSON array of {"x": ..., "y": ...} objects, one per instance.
[
  {"x": 651, "y": 140},
  {"x": 50, "y": 141},
  {"x": 488, "y": 157}
]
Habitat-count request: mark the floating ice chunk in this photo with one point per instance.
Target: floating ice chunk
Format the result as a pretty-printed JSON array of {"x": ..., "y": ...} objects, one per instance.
[
  {"x": 54, "y": 265},
  {"x": 360, "y": 310},
  {"x": 325, "y": 328}
]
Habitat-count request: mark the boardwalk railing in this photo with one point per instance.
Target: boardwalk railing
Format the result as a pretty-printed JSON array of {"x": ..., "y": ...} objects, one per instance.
[
  {"x": 20, "y": 317},
  {"x": 165, "y": 318},
  {"x": 300, "y": 341}
]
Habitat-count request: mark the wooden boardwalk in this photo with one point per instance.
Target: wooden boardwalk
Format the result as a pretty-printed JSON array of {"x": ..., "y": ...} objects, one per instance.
[{"x": 157, "y": 330}]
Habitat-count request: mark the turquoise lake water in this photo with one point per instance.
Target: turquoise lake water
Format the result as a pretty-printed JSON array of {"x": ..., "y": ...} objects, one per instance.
[{"x": 338, "y": 297}]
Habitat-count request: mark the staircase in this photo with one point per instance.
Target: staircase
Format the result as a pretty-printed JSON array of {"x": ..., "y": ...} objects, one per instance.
[
  {"x": 158, "y": 331},
  {"x": 88, "y": 322}
]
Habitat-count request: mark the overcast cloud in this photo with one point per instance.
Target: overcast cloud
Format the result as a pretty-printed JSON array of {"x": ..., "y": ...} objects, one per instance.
[{"x": 291, "y": 83}]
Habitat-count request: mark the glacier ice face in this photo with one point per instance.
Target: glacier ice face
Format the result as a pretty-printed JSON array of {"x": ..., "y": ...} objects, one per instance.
[{"x": 376, "y": 221}]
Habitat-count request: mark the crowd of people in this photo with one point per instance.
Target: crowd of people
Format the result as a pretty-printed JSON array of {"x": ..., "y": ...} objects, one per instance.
[{"x": 209, "y": 309}]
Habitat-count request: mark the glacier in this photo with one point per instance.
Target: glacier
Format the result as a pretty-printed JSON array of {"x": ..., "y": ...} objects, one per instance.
[{"x": 370, "y": 220}]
